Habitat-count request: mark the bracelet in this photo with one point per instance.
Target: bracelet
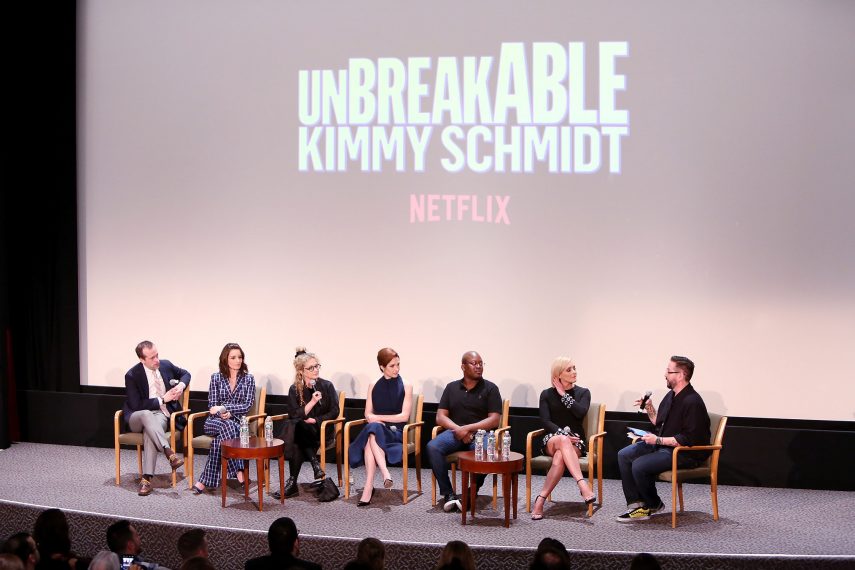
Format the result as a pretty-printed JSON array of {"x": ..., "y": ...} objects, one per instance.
[{"x": 658, "y": 441}]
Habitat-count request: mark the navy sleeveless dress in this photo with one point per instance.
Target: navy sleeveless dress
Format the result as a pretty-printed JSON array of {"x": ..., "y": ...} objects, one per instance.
[{"x": 387, "y": 399}]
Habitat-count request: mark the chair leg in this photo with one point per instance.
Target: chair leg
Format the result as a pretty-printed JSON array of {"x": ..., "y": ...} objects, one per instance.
[
  {"x": 419, "y": 470},
  {"x": 680, "y": 493},
  {"x": 118, "y": 464},
  {"x": 404, "y": 475},
  {"x": 139, "y": 460},
  {"x": 528, "y": 486},
  {"x": 433, "y": 488},
  {"x": 338, "y": 462},
  {"x": 188, "y": 465},
  {"x": 714, "y": 496},
  {"x": 674, "y": 502},
  {"x": 454, "y": 478}
]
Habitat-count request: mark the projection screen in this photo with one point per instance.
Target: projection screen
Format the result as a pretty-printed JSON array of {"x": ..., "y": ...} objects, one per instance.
[{"x": 613, "y": 181}]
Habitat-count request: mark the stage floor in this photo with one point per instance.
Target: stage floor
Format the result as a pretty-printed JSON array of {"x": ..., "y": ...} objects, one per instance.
[{"x": 765, "y": 523}]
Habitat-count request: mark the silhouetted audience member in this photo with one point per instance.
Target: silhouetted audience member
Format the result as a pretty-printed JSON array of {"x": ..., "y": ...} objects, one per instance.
[
  {"x": 192, "y": 544},
  {"x": 124, "y": 540},
  {"x": 23, "y": 545},
  {"x": 10, "y": 562},
  {"x": 550, "y": 555},
  {"x": 284, "y": 542},
  {"x": 456, "y": 554},
  {"x": 105, "y": 560},
  {"x": 644, "y": 561},
  {"x": 197, "y": 563},
  {"x": 54, "y": 543},
  {"x": 370, "y": 555}
]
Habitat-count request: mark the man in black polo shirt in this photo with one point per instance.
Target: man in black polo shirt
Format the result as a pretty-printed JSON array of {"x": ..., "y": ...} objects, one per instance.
[
  {"x": 467, "y": 405},
  {"x": 682, "y": 420}
]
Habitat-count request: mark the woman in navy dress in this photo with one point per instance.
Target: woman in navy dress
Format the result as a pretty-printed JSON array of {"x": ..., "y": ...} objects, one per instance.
[
  {"x": 387, "y": 409},
  {"x": 562, "y": 409},
  {"x": 230, "y": 397}
]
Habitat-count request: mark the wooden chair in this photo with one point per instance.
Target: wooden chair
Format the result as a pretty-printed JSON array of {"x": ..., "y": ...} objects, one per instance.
[
  {"x": 708, "y": 469},
  {"x": 592, "y": 464},
  {"x": 412, "y": 437},
  {"x": 199, "y": 440},
  {"x": 337, "y": 443},
  {"x": 452, "y": 457},
  {"x": 136, "y": 439}
]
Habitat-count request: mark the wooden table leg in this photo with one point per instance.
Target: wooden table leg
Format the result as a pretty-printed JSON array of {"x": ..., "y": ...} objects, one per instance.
[
  {"x": 259, "y": 467},
  {"x": 515, "y": 479},
  {"x": 223, "y": 478},
  {"x": 281, "y": 479},
  {"x": 245, "y": 479},
  {"x": 506, "y": 491},
  {"x": 465, "y": 477}
]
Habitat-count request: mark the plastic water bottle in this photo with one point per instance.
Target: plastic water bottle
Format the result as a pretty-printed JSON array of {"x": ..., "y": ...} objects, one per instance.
[
  {"x": 479, "y": 445},
  {"x": 491, "y": 446},
  {"x": 268, "y": 430},
  {"x": 244, "y": 431},
  {"x": 506, "y": 445}
]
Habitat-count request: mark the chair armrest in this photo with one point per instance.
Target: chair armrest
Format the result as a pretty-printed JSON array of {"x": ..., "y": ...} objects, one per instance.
[
  {"x": 415, "y": 425},
  {"x": 190, "y": 419},
  {"x": 278, "y": 417},
  {"x": 592, "y": 439},
  {"x": 499, "y": 433},
  {"x": 436, "y": 431},
  {"x": 347, "y": 427},
  {"x": 173, "y": 416},
  {"x": 680, "y": 448},
  {"x": 528, "y": 439},
  {"x": 324, "y": 425}
]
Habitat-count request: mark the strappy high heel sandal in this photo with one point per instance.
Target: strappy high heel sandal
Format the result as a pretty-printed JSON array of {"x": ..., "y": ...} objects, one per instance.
[
  {"x": 535, "y": 516},
  {"x": 588, "y": 501}
]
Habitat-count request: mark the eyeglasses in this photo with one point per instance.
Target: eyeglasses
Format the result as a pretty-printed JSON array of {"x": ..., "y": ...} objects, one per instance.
[
  {"x": 312, "y": 368},
  {"x": 671, "y": 371}
]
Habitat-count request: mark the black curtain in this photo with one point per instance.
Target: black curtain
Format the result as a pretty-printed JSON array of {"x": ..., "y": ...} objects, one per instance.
[{"x": 38, "y": 290}]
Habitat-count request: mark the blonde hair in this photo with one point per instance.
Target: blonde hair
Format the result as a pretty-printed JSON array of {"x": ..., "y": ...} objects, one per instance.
[
  {"x": 300, "y": 359},
  {"x": 559, "y": 364}
]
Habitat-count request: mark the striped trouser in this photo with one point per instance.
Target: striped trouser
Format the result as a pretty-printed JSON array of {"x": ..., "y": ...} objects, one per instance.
[{"x": 219, "y": 429}]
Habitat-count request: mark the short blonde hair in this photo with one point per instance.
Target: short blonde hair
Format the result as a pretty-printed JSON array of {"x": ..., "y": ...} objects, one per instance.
[{"x": 559, "y": 364}]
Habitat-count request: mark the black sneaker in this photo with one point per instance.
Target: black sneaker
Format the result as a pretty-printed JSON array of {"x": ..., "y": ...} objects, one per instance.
[
  {"x": 451, "y": 503},
  {"x": 658, "y": 509},
  {"x": 636, "y": 514}
]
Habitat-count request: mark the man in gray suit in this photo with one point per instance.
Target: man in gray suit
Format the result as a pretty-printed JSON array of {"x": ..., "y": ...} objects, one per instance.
[{"x": 149, "y": 404}]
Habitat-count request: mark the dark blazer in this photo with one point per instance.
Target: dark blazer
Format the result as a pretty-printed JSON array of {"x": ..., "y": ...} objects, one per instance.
[
  {"x": 271, "y": 562},
  {"x": 136, "y": 388}
]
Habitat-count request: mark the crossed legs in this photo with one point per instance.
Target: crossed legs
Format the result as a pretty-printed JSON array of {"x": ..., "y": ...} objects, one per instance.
[
  {"x": 564, "y": 455},
  {"x": 375, "y": 458}
]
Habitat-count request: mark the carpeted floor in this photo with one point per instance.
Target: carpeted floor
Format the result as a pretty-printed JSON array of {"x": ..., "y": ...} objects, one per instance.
[{"x": 755, "y": 523}]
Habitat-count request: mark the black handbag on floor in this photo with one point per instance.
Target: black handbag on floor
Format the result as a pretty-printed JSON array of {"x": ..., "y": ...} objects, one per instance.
[{"x": 327, "y": 490}]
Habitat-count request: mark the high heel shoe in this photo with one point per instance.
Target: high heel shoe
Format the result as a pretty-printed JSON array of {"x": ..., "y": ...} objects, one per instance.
[
  {"x": 387, "y": 483},
  {"x": 362, "y": 503},
  {"x": 535, "y": 516},
  {"x": 591, "y": 499}
]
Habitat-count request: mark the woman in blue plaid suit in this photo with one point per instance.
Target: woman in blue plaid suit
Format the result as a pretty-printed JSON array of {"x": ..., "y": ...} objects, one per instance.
[{"x": 230, "y": 397}]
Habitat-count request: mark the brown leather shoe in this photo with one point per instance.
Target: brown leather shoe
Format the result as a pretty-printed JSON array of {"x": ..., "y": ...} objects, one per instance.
[
  {"x": 145, "y": 487},
  {"x": 175, "y": 462}
]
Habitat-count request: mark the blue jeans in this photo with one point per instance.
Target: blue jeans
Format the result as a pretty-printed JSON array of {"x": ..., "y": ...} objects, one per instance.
[
  {"x": 640, "y": 465},
  {"x": 437, "y": 449}
]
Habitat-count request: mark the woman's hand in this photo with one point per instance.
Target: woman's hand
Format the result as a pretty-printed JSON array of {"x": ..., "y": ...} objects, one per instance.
[
  {"x": 311, "y": 421},
  {"x": 557, "y": 385},
  {"x": 373, "y": 418}
]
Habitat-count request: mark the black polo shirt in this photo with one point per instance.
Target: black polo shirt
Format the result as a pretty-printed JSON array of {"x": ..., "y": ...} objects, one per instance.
[{"x": 470, "y": 406}]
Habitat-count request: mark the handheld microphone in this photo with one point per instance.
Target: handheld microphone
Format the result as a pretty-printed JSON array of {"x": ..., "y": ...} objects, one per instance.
[
  {"x": 173, "y": 382},
  {"x": 644, "y": 401}
]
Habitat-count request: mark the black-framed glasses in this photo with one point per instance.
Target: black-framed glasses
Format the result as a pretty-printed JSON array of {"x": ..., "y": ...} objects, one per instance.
[
  {"x": 312, "y": 368},
  {"x": 671, "y": 371}
]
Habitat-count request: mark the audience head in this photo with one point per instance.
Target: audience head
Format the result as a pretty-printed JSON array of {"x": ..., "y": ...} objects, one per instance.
[
  {"x": 389, "y": 361},
  {"x": 51, "y": 533},
  {"x": 193, "y": 543},
  {"x": 644, "y": 561},
  {"x": 371, "y": 554},
  {"x": 550, "y": 555},
  {"x": 684, "y": 365},
  {"x": 24, "y": 547},
  {"x": 10, "y": 562},
  {"x": 197, "y": 563},
  {"x": 457, "y": 554},
  {"x": 105, "y": 560},
  {"x": 282, "y": 537},
  {"x": 123, "y": 538},
  {"x": 232, "y": 350}
]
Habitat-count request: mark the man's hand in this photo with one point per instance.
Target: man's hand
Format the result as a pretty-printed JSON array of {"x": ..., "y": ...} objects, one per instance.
[
  {"x": 462, "y": 434},
  {"x": 172, "y": 394}
]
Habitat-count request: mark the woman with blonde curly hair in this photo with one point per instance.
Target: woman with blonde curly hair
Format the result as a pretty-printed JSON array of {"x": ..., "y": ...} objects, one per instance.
[{"x": 311, "y": 400}]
